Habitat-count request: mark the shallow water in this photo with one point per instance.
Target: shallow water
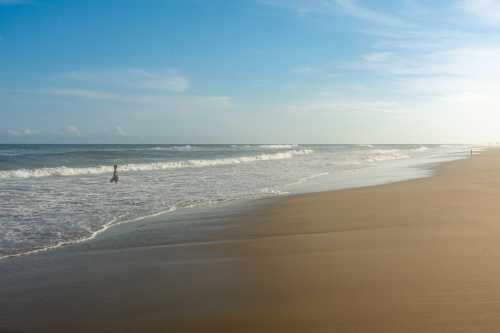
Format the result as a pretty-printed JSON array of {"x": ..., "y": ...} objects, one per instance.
[{"x": 55, "y": 194}]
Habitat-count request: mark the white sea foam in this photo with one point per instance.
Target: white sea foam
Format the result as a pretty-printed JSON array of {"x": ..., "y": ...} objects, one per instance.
[
  {"x": 274, "y": 192},
  {"x": 170, "y": 148},
  {"x": 46, "y": 212},
  {"x": 289, "y": 146},
  {"x": 93, "y": 235},
  {"x": 379, "y": 155},
  {"x": 156, "y": 166},
  {"x": 422, "y": 148},
  {"x": 9, "y": 154},
  {"x": 307, "y": 178}
]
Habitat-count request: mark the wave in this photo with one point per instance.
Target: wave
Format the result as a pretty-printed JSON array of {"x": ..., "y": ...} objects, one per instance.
[
  {"x": 156, "y": 166},
  {"x": 288, "y": 146},
  {"x": 308, "y": 178},
  {"x": 379, "y": 155},
  {"x": 422, "y": 148},
  {"x": 9, "y": 154},
  {"x": 171, "y": 148},
  {"x": 273, "y": 192},
  {"x": 114, "y": 222},
  {"x": 191, "y": 148},
  {"x": 196, "y": 148}
]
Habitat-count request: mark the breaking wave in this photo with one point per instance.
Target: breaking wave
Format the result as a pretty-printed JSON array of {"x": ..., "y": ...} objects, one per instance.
[
  {"x": 378, "y": 155},
  {"x": 156, "y": 166},
  {"x": 172, "y": 148},
  {"x": 278, "y": 146}
]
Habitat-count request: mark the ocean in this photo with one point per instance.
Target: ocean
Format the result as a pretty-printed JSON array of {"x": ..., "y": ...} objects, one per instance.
[{"x": 51, "y": 195}]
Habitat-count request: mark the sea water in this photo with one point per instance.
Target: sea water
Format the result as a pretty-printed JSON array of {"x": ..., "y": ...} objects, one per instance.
[{"x": 58, "y": 194}]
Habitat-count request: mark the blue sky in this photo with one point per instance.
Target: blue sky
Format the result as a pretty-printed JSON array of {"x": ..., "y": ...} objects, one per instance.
[{"x": 249, "y": 71}]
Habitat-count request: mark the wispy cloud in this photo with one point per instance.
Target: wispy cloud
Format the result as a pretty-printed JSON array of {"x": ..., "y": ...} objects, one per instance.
[
  {"x": 20, "y": 132},
  {"x": 377, "y": 56},
  {"x": 134, "y": 87},
  {"x": 303, "y": 7},
  {"x": 463, "y": 75},
  {"x": 139, "y": 79},
  {"x": 339, "y": 106},
  {"x": 119, "y": 131},
  {"x": 177, "y": 102},
  {"x": 353, "y": 8},
  {"x": 80, "y": 93},
  {"x": 486, "y": 10},
  {"x": 339, "y": 7},
  {"x": 72, "y": 130},
  {"x": 456, "y": 76},
  {"x": 432, "y": 60}
]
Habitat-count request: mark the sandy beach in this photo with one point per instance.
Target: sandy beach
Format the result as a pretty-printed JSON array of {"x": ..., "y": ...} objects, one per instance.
[{"x": 413, "y": 256}]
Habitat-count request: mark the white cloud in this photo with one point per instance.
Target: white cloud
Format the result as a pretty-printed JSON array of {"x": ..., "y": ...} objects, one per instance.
[
  {"x": 134, "y": 87},
  {"x": 431, "y": 65},
  {"x": 335, "y": 7},
  {"x": 354, "y": 9},
  {"x": 21, "y": 132},
  {"x": 180, "y": 102},
  {"x": 459, "y": 80},
  {"x": 80, "y": 93},
  {"x": 72, "y": 130},
  {"x": 303, "y": 7},
  {"x": 377, "y": 56},
  {"x": 486, "y": 10},
  {"x": 26, "y": 131},
  {"x": 468, "y": 67},
  {"x": 119, "y": 131},
  {"x": 464, "y": 75},
  {"x": 134, "y": 79},
  {"x": 340, "y": 106}
]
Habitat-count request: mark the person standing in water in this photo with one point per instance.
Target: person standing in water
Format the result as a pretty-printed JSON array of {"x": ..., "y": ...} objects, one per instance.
[{"x": 115, "y": 175}]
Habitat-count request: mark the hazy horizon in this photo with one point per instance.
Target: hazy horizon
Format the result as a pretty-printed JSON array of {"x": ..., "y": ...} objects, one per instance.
[{"x": 250, "y": 71}]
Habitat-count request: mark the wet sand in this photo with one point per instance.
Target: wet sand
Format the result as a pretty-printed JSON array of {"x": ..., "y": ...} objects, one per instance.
[{"x": 413, "y": 256}]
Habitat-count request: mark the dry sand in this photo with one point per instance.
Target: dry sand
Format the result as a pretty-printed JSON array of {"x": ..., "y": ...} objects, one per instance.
[
  {"x": 420, "y": 256},
  {"x": 414, "y": 256}
]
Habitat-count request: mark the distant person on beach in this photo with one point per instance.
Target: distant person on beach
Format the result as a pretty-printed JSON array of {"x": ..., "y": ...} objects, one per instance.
[{"x": 115, "y": 175}]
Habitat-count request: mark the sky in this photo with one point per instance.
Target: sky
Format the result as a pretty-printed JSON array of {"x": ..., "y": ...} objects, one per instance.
[{"x": 249, "y": 71}]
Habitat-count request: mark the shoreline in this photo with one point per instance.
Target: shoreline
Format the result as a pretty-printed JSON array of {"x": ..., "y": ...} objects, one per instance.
[
  {"x": 92, "y": 236},
  {"x": 412, "y": 256},
  {"x": 424, "y": 170}
]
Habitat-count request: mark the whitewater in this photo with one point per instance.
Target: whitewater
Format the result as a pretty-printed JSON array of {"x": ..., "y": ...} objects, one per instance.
[{"x": 53, "y": 195}]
